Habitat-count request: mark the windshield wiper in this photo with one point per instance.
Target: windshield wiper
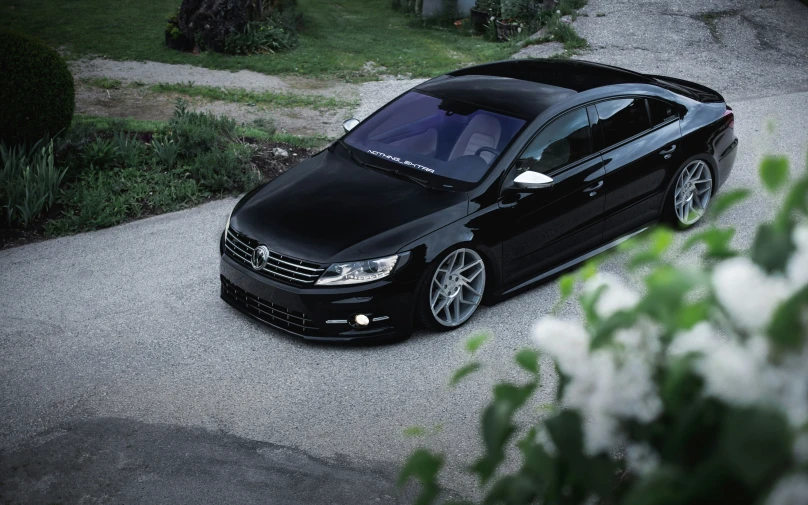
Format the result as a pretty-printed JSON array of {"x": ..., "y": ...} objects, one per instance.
[{"x": 395, "y": 173}]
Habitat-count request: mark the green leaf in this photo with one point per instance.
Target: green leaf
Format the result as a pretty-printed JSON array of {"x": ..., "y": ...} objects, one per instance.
[
  {"x": 566, "y": 284},
  {"x": 474, "y": 342},
  {"x": 661, "y": 239},
  {"x": 463, "y": 371},
  {"x": 663, "y": 486},
  {"x": 414, "y": 431},
  {"x": 529, "y": 360},
  {"x": 773, "y": 246},
  {"x": 755, "y": 444},
  {"x": 716, "y": 239},
  {"x": 774, "y": 172},
  {"x": 727, "y": 200},
  {"x": 786, "y": 328},
  {"x": 423, "y": 466},
  {"x": 692, "y": 314},
  {"x": 565, "y": 431}
]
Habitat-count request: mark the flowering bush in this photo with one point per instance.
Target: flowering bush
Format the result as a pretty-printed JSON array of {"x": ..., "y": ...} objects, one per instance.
[{"x": 695, "y": 391}]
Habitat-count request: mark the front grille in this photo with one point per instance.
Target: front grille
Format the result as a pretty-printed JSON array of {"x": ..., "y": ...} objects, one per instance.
[
  {"x": 268, "y": 312},
  {"x": 279, "y": 267}
]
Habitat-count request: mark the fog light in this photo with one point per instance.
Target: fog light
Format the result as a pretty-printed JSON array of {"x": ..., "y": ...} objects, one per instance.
[{"x": 361, "y": 320}]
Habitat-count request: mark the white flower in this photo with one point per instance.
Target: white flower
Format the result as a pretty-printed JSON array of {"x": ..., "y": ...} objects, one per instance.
[
  {"x": 558, "y": 12},
  {"x": 790, "y": 490},
  {"x": 732, "y": 372},
  {"x": 492, "y": 18},
  {"x": 797, "y": 267},
  {"x": 699, "y": 339},
  {"x": 566, "y": 342},
  {"x": 615, "y": 295},
  {"x": 747, "y": 293},
  {"x": 641, "y": 458}
]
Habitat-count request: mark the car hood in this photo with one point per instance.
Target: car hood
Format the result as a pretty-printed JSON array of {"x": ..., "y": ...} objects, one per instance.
[{"x": 328, "y": 208}]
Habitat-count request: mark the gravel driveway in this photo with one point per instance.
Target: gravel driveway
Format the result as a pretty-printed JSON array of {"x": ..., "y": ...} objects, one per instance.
[{"x": 121, "y": 368}]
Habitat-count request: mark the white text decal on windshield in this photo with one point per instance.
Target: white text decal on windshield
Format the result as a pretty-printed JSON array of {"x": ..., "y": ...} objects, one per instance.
[{"x": 399, "y": 160}]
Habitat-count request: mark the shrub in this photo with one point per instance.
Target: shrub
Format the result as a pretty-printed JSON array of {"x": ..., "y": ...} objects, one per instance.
[
  {"x": 100, "y": 153},
  {"x": 36, "y": 90},
  {"x": 129, "y": 149},
  {"x": 260, "y": 37},
  {"x": 695, "y": 392},
  {"x": 165, "y": 150},
  {"x": 29, "y": 181}
]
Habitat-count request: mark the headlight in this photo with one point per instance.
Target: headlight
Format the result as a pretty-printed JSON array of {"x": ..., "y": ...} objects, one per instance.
[{"x": 356, "y": 272}]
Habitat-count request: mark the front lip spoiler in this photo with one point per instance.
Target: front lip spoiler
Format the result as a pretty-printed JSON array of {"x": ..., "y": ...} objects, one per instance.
[{"x": 366, "y": 336}]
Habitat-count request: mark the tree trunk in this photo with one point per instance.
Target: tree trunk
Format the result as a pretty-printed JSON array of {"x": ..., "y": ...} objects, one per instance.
[{"x": 209, "y": 22}]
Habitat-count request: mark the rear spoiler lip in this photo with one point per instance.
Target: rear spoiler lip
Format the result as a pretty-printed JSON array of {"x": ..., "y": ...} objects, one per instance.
[{"x": 696, "y": 90}]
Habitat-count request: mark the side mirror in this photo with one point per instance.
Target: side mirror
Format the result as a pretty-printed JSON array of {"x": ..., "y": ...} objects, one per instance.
[
  {"x": 350, "y": 124},
  {"x": 532, "y": 180}
]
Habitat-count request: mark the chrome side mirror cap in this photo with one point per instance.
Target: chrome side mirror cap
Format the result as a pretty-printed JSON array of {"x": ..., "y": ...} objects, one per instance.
[
  {"x": 532, "y": 180},
  {"x": 350, "y": 124}
]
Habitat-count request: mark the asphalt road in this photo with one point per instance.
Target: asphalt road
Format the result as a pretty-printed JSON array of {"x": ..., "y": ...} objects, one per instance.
[{"x": 124, "y": 378}]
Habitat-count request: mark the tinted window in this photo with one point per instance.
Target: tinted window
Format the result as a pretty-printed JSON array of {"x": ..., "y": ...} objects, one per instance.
[
  {"x": 621, "y": 119},
  {"x": 660, "y": 111},
  {"x": 436, "y": 136},
  {"x": 565, "y": 140}
]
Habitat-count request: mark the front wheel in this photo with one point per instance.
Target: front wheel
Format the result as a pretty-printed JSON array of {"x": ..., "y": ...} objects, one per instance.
[
  {"x": 690, "y": 195},
  {"x": 454, "y": 291}
]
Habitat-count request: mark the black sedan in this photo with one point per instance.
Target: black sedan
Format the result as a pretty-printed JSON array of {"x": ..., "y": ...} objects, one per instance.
[{"x": 468, "y": 188}]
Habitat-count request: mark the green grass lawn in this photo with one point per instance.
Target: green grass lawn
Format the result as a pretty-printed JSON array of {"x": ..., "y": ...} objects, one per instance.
[{"x": 340, "y": 36}]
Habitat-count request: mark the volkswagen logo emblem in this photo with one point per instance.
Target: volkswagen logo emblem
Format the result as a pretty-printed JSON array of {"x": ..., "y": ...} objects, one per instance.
[{"x": 259, "y": 258}]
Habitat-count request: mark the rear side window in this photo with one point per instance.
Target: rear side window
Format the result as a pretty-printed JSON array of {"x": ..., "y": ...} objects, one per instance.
[
  {"x": 621, "y": 119},
  {"x": 565, "y": 140},
  {"x": 660, "y": 111}
]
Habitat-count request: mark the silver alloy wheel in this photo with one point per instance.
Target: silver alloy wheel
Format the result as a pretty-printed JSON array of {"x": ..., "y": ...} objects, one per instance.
[
  {"x": 457, "y": 287},
  {"x": 693, "y": 192}
]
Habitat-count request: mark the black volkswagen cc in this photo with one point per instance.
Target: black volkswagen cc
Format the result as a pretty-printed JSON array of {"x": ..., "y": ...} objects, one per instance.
[{"x": 468, "y": 188}]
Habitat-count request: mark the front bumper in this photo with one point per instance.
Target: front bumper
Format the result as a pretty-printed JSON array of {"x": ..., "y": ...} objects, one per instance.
[{"x": 317, "y": 312}]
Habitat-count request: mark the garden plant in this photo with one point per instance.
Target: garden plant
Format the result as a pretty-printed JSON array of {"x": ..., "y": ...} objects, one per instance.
[{"x": 692, "y": 390}]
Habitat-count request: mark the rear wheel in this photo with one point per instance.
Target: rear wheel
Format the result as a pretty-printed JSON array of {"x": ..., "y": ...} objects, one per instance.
[
  {"x": 691, "y": 194},
  {"x": 452, "y": 290}
]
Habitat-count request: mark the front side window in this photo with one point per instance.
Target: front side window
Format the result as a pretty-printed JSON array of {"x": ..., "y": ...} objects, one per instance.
[
  {"x": 622, "y": 119},
  {"x": 564, "y": 141},
  {"x": 436, "y": 136}
]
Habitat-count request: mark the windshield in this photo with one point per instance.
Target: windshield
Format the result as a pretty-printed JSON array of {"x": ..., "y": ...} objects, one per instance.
[{"x": 430, "y": 135}]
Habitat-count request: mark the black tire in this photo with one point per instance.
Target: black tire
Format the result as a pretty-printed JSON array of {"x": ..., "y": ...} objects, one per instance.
[{"x": 668, "y": 215}]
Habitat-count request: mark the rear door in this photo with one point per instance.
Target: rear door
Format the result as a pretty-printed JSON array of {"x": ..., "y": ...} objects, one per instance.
[{"x": 640, "y": 141}]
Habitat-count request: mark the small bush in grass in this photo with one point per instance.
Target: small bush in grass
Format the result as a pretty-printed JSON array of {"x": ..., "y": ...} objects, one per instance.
[
  {"x": 29, "y": 181},
  {"x": 129, "y": 148},
  {"x": 36, "y": 90},
  {"x": 165, "y": 150},
  {"x": 100, "y": 153}
]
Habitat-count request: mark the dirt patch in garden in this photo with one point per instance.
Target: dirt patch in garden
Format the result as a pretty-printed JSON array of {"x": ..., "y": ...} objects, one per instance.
[{"x": 141, "y": 103}]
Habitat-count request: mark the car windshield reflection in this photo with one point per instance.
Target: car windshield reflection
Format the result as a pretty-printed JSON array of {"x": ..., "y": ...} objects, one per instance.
[{"x": 437, "y": 136}]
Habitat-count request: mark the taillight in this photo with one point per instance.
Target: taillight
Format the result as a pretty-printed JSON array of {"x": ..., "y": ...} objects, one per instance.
[{"x": 730, "y": 117}]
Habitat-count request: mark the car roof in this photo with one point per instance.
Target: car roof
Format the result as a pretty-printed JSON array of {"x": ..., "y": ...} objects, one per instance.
[
  {"x": 514, "y": 97},
  {"x": 526, "y": 88},
  {"x": 576, "y": 75}
]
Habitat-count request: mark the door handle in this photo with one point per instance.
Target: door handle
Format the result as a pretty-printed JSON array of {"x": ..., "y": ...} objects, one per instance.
[
  {"x": 666, "y": 153},
  {"x": 593, "y": 189}
]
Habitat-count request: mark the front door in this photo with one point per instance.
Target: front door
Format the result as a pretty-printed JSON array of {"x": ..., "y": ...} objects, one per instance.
[{"x": 545, "y": 227}]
